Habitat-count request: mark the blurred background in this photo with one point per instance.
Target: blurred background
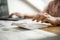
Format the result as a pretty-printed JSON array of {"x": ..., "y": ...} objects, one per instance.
[
  {"x": 3, "y": 8},
  {"x": 29, "y": 7}
]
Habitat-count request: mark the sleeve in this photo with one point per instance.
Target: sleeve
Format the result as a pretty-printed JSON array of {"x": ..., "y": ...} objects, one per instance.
[{"x": 48, "y": 7}]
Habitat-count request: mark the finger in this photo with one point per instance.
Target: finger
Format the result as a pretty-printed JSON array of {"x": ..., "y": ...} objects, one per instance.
[
  {"x": 36, "y": 17},
  {"x": 41, "y": 18},
  {"x": 37, "y": 20},
  {"x": 45, "y": 21},
  {"x": 33, "y": 19}
]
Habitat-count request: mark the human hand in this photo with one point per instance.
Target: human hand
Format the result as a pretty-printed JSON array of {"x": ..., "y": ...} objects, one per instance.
[{"x": 44, "y": 17}]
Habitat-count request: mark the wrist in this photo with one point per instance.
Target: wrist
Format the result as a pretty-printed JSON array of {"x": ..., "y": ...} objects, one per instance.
[
  {"x": 58, "y": 21},
  {"x": 53, "y": 21}
]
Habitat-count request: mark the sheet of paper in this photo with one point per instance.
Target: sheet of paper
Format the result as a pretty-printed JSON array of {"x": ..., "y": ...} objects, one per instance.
[
  {"x": 27, "y": 35},
  {"x": 29, "y": 24},
  {"x": 6, "y": 24},
  {"x": 14, "y": 34}
]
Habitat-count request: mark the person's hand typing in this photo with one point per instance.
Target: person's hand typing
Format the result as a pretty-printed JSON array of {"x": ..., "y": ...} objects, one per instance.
[{"x": 44, "y": 17}]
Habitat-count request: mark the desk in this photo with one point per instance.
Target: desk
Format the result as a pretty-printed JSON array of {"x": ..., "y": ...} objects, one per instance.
[{"x": 53, "y": 29}]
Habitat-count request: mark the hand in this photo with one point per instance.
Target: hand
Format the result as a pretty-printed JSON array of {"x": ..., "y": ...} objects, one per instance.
[
  {"x": 44, "y": 17},
  {"x": 10, "y": 16},
  {"x": 16, "y": 13}
]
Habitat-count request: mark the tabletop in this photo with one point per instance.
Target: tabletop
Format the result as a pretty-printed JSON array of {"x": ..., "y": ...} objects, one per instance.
[{"x": 53, "y": 29}]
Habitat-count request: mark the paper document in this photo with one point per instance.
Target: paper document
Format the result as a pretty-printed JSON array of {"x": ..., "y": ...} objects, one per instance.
[
  {"x": 29, "y": 24},
  {"x": 28, "y": 35}
]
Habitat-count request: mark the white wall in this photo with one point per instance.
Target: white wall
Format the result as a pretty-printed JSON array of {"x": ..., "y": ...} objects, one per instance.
[
  {"x": 19, "y": 6},
  {"x": 40, "y": 4}
]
